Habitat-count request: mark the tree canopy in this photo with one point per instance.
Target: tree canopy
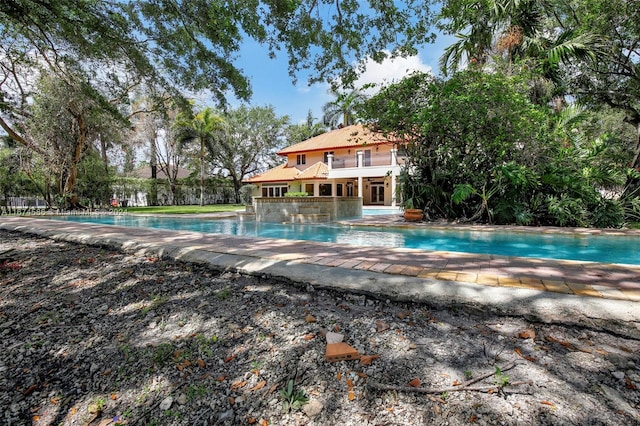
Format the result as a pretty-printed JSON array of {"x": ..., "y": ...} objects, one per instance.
[{"x": 478, "y": 149}]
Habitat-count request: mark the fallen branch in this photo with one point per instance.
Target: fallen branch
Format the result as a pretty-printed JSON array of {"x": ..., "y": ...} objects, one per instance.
[
  {"x": 380, "y": 386},
  {"x": 466, "y": 386}
]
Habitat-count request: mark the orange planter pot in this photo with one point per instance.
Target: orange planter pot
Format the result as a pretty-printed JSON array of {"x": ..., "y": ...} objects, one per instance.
[{"x": 413, "y": 215}]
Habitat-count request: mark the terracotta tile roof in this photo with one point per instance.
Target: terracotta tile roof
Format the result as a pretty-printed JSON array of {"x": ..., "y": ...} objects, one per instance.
[
  {"x": 346, "y": 137},
  {"x": 277, "y": 174},
  {"x": 316, "y": 171}
]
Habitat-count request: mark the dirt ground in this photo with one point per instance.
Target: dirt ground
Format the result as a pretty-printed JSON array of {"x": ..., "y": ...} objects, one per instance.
[{"x": 95, "y": 336}]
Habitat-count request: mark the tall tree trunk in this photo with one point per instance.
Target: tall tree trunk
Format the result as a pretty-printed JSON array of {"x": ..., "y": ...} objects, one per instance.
[
  {"x": 201, "y": 172},
  {"x": 153, "y": 163},
  {"x": 632, "y": 185},
  {"x": 71, "y": 180}
]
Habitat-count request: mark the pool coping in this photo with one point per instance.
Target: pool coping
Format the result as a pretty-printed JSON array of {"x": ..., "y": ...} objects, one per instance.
[{"x": 519, "y": 285}]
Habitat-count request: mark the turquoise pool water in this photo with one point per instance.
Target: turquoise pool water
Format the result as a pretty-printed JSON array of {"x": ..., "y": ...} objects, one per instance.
[{"x": 607, "y": 249}]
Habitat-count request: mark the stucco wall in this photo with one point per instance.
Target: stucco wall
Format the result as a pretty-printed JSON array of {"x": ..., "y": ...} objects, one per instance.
[{"x": 280, "y": 209}]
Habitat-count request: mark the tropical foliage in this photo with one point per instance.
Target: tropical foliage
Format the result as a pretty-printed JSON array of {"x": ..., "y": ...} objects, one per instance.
[
  {"x": 479, "y": 150},
  {"x": 203, "y": 129}
]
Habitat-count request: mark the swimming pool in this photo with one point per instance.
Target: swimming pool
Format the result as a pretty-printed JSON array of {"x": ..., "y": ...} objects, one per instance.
[{"x": 594, "y": 248}]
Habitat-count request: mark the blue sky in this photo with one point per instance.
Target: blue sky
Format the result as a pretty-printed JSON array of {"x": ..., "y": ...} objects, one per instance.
[{"x": 272, "y": 84}]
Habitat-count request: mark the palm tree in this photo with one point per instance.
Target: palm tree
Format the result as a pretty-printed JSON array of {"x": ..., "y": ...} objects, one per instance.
[
  {"x": 203, "y": 128},
  {"x": 515, "y": 28},
  {"x": 343, "y": 108}
]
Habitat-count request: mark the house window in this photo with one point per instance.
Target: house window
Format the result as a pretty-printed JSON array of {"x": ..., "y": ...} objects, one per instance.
[
  {"x": 338, "y": 190},
  {"x": 301, "y": 159},
  {"x": 350, "y": 189},
  {"x": 326, "y": 156},
  {"x": 274, "y": 190},
  {"x": 308, "y": 188},
  {"x": 325, "y": 189}
]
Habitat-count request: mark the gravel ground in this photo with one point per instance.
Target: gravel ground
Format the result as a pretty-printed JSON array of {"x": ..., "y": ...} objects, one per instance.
[{"x": 93, "y": 336}]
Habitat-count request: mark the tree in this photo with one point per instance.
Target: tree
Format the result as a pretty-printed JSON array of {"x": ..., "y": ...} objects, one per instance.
[
  {"x": 537, "y": 32},
  {"x": 114, "y": 49},
  {"x": 479, "y": 149},
  {"x": 191, "y": 44},
  {"x": 249, "y": 144},
  {"x": 65, "y": 122},
  {"x": 342, "y": 109},
  {"x": 205, "y": 129},
  {"x": 614, "y": 80},
  {"x": 296, "y": 133}
]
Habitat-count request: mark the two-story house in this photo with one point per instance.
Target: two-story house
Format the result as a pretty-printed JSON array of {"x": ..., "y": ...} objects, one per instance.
[{"x": 348, "y": 162}]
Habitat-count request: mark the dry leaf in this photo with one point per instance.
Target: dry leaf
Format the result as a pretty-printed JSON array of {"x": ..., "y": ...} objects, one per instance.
[
  {"x": 35, "y": 418},
  {"x": 456, "y": 383},
  {"x": 562, "y": 342},
  {"x": 339, "y": 376},
  {"x": 113, "y": 396},
  {"x": 263, "y": 422},
  {"x": 437, "y": 409},
  {"x": 229, "y": 358},
  {"x": 527, "y": 334},
  {"x": 368, "y": 359},
  {"x": 349, "y": 382},
  {"x": 549, "y": 403},
  {"x": 403, "y": 315},
  {"x": 352, "y": 396},
  {"x": 308, "y": 336},
  {"x": 381, "y": 326},
  {"x": 360, "y": 374},
  {"x": 414, "y": 383},
  {"x": 221, "y": 378},
  {"x": 251, "y": 420},
  {"x": 29, "y": 390},
  {"x": 473, "y": 419},
  {"x": 73, "y": 410},
  {"x": 232, "y": 400},
  {"x": 200, "y": 363},
  {"x": 55, "y": 400},
  {"x": 390, "y": 409},
  {"x": 629, "y": 384},
  {"x": 310, "y": 318},
  {"x": 238, "y": 385},
  {"x": 258, "y": 386}
]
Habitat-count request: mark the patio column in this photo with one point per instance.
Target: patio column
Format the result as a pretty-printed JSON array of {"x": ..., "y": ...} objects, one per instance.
[
  {"x": 394, "y": 156},
  {"x": 393, "y": 178},
  {"x": 330, "y": 161},
  {"x": 360, "y": 162},
  {"x": 360, "y": 193}
]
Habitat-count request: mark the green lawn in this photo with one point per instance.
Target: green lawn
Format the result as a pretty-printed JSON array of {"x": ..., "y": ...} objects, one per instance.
[{"x": 215, "y": 208}]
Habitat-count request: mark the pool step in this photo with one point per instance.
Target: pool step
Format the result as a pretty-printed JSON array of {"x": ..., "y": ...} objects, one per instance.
[
  {"x": 245, "y": 216},
  {"x": 309, "y": 218}
]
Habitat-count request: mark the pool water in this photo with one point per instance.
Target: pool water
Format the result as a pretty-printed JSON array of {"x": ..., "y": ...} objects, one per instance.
[{"x": 606, "y": 249}]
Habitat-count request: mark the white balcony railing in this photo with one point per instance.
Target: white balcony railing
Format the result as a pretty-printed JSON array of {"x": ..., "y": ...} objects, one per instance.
[{"x": 373, "y": 160}]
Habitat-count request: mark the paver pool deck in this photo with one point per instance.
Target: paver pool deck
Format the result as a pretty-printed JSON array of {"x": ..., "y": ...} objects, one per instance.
[{"x": 399, "y": 274}]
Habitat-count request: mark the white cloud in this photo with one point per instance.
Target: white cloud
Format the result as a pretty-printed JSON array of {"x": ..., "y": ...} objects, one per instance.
[{"x": 391, "y": 70}]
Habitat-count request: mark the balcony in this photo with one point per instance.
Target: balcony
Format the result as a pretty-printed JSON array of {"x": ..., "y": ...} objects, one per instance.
[
  {"x": 371, "y": 164},
  {"x": 376, "y": 159}
]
